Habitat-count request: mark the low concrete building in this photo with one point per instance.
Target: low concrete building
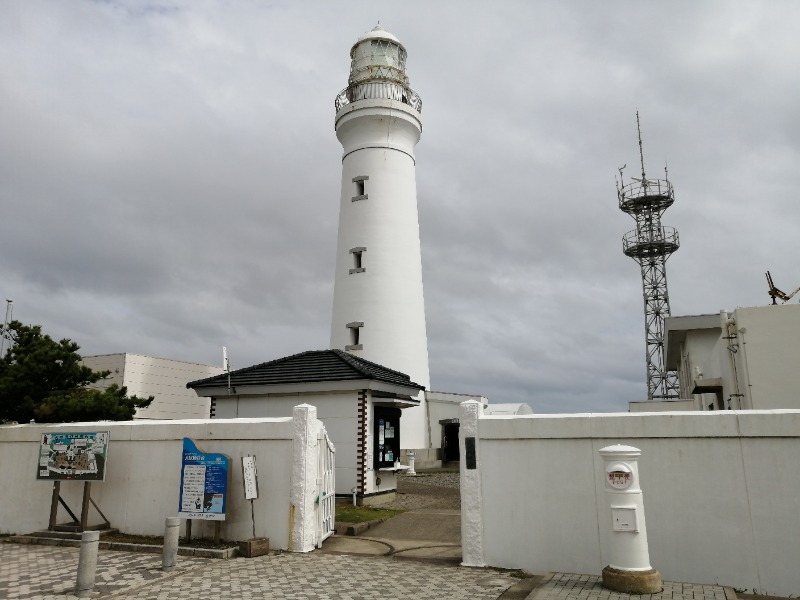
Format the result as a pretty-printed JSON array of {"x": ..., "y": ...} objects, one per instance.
[
  {"x": 359, "y": 402},
  {"x": 442, "y": 418},
  {"x": 744, "y": 360},
  {"x": 442, "y": 410},
  {"x": 163, "y": 378},
  {"x": 516, "y": 408},
  {"x": 661, "y": 405}
]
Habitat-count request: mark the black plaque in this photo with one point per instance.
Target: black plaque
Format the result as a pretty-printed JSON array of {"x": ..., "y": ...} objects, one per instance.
[{"x": 469, "y": 443}]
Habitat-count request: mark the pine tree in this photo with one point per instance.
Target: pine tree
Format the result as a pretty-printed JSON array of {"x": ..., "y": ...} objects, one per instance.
[{"x": 44, "y": 380}]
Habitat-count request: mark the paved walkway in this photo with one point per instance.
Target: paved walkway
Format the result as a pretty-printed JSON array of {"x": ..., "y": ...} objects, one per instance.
[
  {"x": 48, "y": 572},
  {"x": 421, "y": 533},
  {"x": 569, "y": 586}
]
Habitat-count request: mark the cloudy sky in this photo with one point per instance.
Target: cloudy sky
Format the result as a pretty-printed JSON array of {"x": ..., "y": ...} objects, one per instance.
[{"x": 169, "y": 176}]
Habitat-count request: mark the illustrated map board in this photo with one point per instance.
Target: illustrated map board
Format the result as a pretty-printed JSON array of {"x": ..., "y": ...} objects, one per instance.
[{"x": 73, "y": 456}]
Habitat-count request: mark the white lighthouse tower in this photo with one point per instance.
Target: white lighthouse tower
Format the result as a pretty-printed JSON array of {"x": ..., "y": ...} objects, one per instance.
[{"x": 378, "y": 305}]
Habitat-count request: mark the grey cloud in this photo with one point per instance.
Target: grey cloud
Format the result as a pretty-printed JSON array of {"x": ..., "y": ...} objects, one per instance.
[{"x": 169, "y": 176}]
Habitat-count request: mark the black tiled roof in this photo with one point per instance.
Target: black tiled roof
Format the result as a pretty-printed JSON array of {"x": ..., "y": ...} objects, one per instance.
[{"x": 308, "y": 367}]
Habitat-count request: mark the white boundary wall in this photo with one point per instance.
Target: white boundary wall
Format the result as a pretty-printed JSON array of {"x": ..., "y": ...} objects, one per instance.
[
  {"x": 142, "y": 484},
  {"x": 721, "y": 494}
]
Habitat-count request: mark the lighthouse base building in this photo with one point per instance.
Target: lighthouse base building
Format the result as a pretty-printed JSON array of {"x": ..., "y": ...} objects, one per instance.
[{"x": 358, "y": 401}]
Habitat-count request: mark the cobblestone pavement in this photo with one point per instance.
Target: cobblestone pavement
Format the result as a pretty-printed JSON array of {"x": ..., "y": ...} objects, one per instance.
[
  {"x": 30, "y": 571},
  {"x": 47, "y": 572},
  {"x": 563, "y": 586}
]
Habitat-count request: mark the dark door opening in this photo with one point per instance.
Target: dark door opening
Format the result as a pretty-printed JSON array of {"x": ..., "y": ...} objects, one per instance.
[{"x": 450, "y": 442}]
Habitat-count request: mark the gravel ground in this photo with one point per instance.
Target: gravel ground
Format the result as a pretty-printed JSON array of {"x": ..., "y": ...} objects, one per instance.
[
  {"x": 427, "y": 490},
  {"x": 444, "y": 479}
]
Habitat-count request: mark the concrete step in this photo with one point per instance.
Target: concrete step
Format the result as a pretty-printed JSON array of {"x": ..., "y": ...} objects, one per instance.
[
  {"x": 122, "y": 546},
  {"x": 69, "y": 535}
]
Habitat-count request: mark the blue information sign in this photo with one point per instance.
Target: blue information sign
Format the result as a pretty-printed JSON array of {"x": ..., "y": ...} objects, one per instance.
[{"x": 204, "y": 483}]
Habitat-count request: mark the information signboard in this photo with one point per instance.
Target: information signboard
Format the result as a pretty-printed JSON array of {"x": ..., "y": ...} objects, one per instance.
[
  {"x": 204, "y": 483},
  {"x": 250, "y": 477},
  {"x": 77, "y": 456},
  {"x": 387, "y": 436}
]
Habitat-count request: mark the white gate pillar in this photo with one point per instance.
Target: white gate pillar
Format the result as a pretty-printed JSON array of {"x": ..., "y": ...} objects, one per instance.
[
  {"x": 629, "y": 570},
  {"x": 304, "y": 479},
  {"x": 470, "y": 471}
]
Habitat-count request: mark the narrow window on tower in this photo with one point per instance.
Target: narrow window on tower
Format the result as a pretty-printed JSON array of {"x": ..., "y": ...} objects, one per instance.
[
  {"x": 358, "y": 259},
  {"x": 360, "y": 193},
  {"x": 355, "y": 336}
]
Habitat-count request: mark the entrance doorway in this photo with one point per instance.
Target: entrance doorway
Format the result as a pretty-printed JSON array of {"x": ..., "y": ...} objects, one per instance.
[{"x": 450, "y": 450}]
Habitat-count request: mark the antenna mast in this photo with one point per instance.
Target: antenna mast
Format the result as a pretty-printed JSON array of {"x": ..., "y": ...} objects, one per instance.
[
  {"x": 226, "y": 364},
  {"x": 641, "y": 151},
  {"x": 774, "y": 292},
  {"x": 4, "y": 333},
  {"x": 650, "y": 245}
]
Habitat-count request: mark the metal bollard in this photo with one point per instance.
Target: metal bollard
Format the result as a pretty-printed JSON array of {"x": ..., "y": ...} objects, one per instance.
[
  {"x": 172, "y": 527},
  {"x": 411, "y": 458},
  {"x": 87, "y": 563}
]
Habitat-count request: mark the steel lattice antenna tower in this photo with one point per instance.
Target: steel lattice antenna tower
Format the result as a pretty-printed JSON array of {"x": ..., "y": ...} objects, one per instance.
[{"x": 650, "y": 245}]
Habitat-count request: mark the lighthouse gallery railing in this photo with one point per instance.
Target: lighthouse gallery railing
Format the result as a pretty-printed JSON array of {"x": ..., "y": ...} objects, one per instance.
[{"x": 378, "y": 90}]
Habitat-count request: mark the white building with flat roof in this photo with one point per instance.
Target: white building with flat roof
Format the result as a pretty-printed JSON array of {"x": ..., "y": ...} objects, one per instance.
[
  {"x": 163, "y": 378},
  {"x": 743, "y": 360}
]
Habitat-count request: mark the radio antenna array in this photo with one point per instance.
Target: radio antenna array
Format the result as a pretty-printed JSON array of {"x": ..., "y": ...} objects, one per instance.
[
  {"x": 650, "y": 245},
  {"x": 776, "y": 293}
]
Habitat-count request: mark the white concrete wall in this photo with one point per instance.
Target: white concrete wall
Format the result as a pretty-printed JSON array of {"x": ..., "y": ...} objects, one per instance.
[
  {"x": 163, "y": 378},
  {"x": 339, "y": 413},
  {"x": 721, "y": 494},
  {"x": 142, "y": 484},
  {"x": 769, "y": 355},
  {"x": 760, "y": 373},
  {"x": 378, "y": 139},
  {"x": 704, "y": 356}
]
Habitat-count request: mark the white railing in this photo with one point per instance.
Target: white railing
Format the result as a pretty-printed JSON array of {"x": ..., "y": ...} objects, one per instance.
[{"x": 378, "y": 90}]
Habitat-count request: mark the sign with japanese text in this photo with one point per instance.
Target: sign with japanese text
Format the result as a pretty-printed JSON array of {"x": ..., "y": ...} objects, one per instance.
[
  {"x": 250, "y": 477},
  {"x": 204, "y": 483}
]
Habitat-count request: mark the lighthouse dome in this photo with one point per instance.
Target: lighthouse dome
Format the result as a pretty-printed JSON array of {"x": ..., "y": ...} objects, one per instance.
[
  {"x": 378, "y": 33},
  {"x": 378, "y": 71},
  {"x": 378, "y": 55}
]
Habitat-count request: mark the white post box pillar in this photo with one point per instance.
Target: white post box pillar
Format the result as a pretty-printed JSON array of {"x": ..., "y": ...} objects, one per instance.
[
  {"x": 629, "y": 570},
  {"x": 411, "y": 458}
]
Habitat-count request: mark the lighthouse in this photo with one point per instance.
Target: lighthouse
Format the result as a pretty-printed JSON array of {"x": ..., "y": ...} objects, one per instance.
[{"x": 378, "y": 304}]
